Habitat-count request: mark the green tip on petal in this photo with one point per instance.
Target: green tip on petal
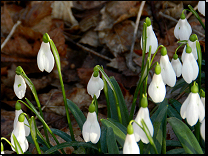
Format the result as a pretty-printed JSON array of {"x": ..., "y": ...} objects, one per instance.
[
  {"x": 130, "y": 129},
  {"x": 202, "y": 93},
  {"x": 95, "y": 73},
  {"x": 2, "y": 147},
  {"x": 193, "y": 38},
  {"x": 17, "y": 106},
  {"x": 21, "y": 118},
  {"x": 188, "y": 48},
  {"x": 175, "y": 56},
  {"x": 46, "y": 38},
  {"x": 183, "y": 16},
  {"x": 144, "y": 102},
  {"x": 148, "y": 21},
  {"x": 194, "y": 88},
  {"x": 157, "y": 69},
  {"x": 163, "y": 51},
  {"x": 91, "y": 107}
]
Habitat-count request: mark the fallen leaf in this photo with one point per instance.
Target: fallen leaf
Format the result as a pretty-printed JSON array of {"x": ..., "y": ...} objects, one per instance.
[
  {"x": 82, "y": 5},
  {"x": 90, "y": 38}
]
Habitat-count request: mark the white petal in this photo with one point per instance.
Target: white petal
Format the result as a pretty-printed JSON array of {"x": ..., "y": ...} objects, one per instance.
[
  {"x": 95, "y": 132},
  {"x": 86, "y": 131},
  {"x": 130, "y": 145},
  {"x": 201, "y": 7},
  {"x": 201, "y": 109},
  {"x": 19, "y": 132},
  {"x": 19, "y": 86},
  {"x": 167, "y": 71},
  {"x": 195, "y": 66},
  {"x": 156, "y": 89},
  {"x": 203, "y": 101},
  {"x": 192, "y": 110},
  {"x": 45, "y": 58},
  {"x": 184, "y": 106},
  {"x": 202, "y": 129},
  {"x": 182, "y": 29},
  {"x": 177, "y": 66},
  {"x": 187, "y": 70}
]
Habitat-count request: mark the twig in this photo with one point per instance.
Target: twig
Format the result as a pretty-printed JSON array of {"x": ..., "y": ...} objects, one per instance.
[
  {"x": 173, "y": 19},
  {"x": 10, "y": 34},
  {"x": 88, "y": 50},
  {"x": 190, "y": 13},
  {"x": 129, "y": 63},
  {"x": 180, "y": 95}
]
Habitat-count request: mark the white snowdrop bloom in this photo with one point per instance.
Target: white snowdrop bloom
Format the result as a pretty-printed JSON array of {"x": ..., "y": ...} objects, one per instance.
[
  {"x": 91, "y": 128},
  {"x": 143, "y": 113},
  {"x": 177, "y": 66},
  {"x": 95, "y": 85},
  {"x": 27, "y": 129},
  {"x": 201, "y": 7},
  {"x": 202, "y": 129},
  {"x": 45, "y": 58},
  {"x": 130, "y": 145},
  {"x": 194, "y": 51},
  {"x": 151, "y": 38},
  {"x": 19, "y": 132},
  {"x": 167, "y": 71},
  {"x": 192, "y": 108},
  {"x": 203, "y": 101},
  {"x": 190, "y": 68},
  {"x": 19, "y": 86},
  {"x": 182, "y": 30},
  {"x": 156, "y": 89}
]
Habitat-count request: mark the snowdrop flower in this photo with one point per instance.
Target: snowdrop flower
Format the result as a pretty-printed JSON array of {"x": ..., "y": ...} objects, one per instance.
[
  {"x": 202, "y": 129},
  {"x": 190, "y": 68},
  {"x": 192, "y": 108},
  {"x": 167, "y": 71},
  {"x": 182, "y": 29},
  {"x": 151, "y": 38},
  {"x": 19, "y": 132},
  {"x": 176, "y": 64},
  {"x": 143, "y": 113},
  {"x": 18, "y": 111},
  {"x": 130, "y": 145},
  {"x": 156, "y": 89},
  {"x": 203, "y": 97},
  {"x": 19, "y": 86},
  {"x": 95, "y": 84},
  {"x": 2, "y": 148},
  {"x": 201, "y": 7},
  {"x": 91, "y": 128},
  {"x": 45, "y": 59},
  {"x": 192, "y": 44}
]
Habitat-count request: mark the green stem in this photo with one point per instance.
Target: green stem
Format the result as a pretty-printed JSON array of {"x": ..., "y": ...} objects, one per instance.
[
  {"x": 164, "y": 135},
  {"x": 197, "y": 131},
  {"x": 155, "y": 53},
  {"x": 58, "y": 64},
  {"x": 141, "y": 146},
  {"x": 144, "y": 42},
  {"x": 196, "y": 15},
  {"x": 198, "y": 47},
  {"x": 114, "y": 92},
  {"x": 2, "y": 138},
  {"x": 21, "y": 72},
  {"x": 148, "y": 64},
  {"x": 96, "y": 105},
  {"x": 178, "y": 47}
]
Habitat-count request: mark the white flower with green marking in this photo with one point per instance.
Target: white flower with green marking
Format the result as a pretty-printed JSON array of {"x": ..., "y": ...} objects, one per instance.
[{"x": 19, "y": 86}]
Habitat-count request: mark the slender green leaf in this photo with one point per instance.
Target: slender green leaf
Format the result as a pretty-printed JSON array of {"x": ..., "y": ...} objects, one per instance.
[
  {"x": 119, "y": 125},
  {"x": 78, "y": 115},
  {"x": 122, "y": 103},
  {"x": 176, "y": 151},
  {"x": 175, "y": 104},
  {"x": 185, "y": 136},
  {"x": 68, "y": 144},
  {"x": 111, "y": 142},
  {"x": 173, "y": 143},
  {"x": 103, "y": 141},
  {"x": 171, "y": 112},
  {"x": 180, "y": 83},
  {"x": 17, "y": 146},
  {"x": 120, "y": 136},
  {"x": 62, "y": 134}
]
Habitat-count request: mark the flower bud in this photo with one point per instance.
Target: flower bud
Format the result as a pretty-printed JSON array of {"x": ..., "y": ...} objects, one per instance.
[
  {"x": 163, "y": 51},
  {"x": 148, "y": 21},
  {"x": 157, "y": 69},
  {"x": 144, "y": 102},
  {"x": 130, "y": 129},
  {"x": 46, "y": 38},
  {"x": 188, "y": 48}
]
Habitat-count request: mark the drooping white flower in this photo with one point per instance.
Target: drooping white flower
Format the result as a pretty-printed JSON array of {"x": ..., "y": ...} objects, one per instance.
[
  {"x": 201, "y": 7},
  {"x": 202, "y": 129},
  {"x": 27, "y": 129},
  {"x": 151, "y": 38},
  {"x": 167, "y": 71},
  {"x": 19, "y": 132},
  {"x": 194, "y": 51},
  {"x": 91, "y": 128},
  {"x": 182, "y": 30},
  {"x": 19, "y": 86},
  {"x": 192, "y": 108},
  {"x": 45, "y": 58},
  {"x": 95, "y": 85},
  {"x": 190, "y": 68},
  {"x": 130, "y": 145},
  {"x": 176, "y": 64},
  {"x": 143, "y": 113},
  {"x": 156, "y": 89}
]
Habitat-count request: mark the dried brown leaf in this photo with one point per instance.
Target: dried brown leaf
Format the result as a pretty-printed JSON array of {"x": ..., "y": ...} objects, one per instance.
[
  {"x": 90, "y": 38},
  {"x": 82, "y": 5}
]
